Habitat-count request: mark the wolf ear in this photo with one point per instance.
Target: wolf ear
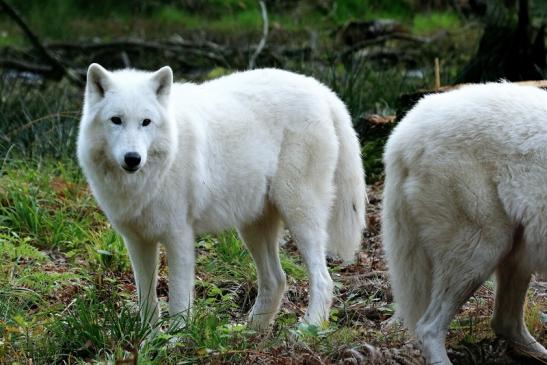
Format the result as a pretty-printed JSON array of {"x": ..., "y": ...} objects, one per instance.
[
  {"x": 98, "y": 80},
  {"x": 161, "y": 82}
]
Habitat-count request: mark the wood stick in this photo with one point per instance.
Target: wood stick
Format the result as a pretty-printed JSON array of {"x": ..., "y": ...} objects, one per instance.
[{"x": 437, "y": 74}]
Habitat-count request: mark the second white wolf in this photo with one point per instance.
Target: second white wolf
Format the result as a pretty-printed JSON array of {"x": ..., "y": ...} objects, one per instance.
[
  {"x": 466, "y": 195},
  {"x": 167, "y": 161}
]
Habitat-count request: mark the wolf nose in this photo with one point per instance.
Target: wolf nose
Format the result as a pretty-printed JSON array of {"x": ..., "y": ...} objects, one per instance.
[{"x": 132, "y": 159}]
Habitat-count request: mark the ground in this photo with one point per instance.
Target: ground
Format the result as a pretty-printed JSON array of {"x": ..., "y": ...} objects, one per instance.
[{"x": 67, "y": 294}]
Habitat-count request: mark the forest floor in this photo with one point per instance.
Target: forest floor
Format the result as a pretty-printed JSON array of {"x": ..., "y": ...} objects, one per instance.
[{"x": 67, "y": 294}]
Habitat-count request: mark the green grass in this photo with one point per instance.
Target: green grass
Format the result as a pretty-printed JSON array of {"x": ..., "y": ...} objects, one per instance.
[
  {"x": 73, "y": 300},
  {"x": 248, "y": 19},
  {"x": 38, "y": 120},
  {"x": 427, "y": 23},
  {"x": 69, "y": 300},
  {"x": 75, "y": 19}
]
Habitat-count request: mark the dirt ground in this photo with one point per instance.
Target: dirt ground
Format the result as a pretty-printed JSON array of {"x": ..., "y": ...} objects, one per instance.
[{"x": 470, "y": 343}]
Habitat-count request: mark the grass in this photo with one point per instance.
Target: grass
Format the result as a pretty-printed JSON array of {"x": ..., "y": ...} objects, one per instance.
[
  {"x": 426, "y": 23},
  {"x": 73, "y": 300},
  {"x": 110, "y": 19},
  {"x": 69, "y": 299}
]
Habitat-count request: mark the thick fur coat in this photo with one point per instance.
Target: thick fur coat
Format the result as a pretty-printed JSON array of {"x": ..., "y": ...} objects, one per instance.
[
  {"x": 466, "y": 195},
  {"x": 167, "y": 161}
]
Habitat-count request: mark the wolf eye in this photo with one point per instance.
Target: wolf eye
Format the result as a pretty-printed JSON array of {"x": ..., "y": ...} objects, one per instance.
[
  {"x": 116, "y": 120},
  {"x": 146, "y": 122}
]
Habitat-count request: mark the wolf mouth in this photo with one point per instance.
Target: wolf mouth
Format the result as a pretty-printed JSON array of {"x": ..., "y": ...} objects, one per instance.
[{"x": 130, "y": 170}]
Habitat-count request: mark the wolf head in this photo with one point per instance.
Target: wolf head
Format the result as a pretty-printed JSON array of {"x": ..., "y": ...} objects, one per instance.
[{"x": 126, "y": 120}]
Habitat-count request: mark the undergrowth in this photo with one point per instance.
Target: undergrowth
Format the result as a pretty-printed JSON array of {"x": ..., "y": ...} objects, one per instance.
[{"x": 67, "y": 292}]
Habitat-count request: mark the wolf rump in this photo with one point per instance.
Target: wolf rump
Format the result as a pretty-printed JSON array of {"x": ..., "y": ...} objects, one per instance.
[
  {"x": 470, "y": 200},
  {"x": 167, "y": 161}
]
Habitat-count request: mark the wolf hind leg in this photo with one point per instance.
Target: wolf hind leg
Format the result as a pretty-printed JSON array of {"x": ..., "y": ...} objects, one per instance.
[
  {"x": 303, "y": 192},
  {"x": 306, "y": 216},
  {"x": 311, "y": 242},
  {"x": 462, "y": 264},
  {"x": 261, "y": 238},
  {"x": 513, "y": 275}
]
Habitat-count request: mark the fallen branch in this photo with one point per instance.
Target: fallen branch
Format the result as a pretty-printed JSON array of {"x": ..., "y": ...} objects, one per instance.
[
  {"x": 407, "y": 101},
  {"x": 383, "y": 39},
  {"x": 208, "y": 50},
  {"x": 25, "y": 66},
  {"x": 57, "y": 68}
]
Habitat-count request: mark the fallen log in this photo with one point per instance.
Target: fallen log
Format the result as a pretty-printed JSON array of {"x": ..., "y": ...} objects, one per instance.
[
  {"x": 407, "y": 101},
  {"x": 374, "y": 126}
]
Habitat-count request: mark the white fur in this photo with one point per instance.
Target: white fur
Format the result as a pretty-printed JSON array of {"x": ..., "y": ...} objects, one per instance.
[
  {"x": 466, "y": 194},
  {"x": 249, "y": 150}
]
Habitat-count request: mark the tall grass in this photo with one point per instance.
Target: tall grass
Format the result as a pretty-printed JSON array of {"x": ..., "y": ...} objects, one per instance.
[{"x": 37, "y": 120}]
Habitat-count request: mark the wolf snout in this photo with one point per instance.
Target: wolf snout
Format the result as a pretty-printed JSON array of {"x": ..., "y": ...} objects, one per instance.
[{"x": 132, "y": 161}]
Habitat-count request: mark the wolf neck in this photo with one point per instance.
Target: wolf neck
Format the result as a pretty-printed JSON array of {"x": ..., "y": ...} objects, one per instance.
[{"x": 125, "y": 195}]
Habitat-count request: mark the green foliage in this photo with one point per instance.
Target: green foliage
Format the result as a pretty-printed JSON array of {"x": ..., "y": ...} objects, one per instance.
[
  {"x": 372, "y": 152},
  {"x": 112, "y": 19},
  {"x": 433, "y": 21},
  {"x": 41, "y": 205},
  {"x": 370, "y": 9},
  {"x": 38, "y": 120},
  {"x": 248, "y": 18},
  {"x": 98, "y": 323},
  {"x": 107, "y": 251}
]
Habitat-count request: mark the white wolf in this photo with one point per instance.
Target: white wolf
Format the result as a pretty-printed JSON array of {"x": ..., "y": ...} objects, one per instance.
[
  {"x": 167, "y": 161},
  {"x": 466, "y": 195}
]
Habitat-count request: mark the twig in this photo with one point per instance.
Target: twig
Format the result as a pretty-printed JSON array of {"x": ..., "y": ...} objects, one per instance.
[
  {"x": 58, "y": 69},
  {"x": 437, "y": 74},
  {"x": 25, "y": 66},
  {"x": 125, "y": 59},
  {"x": 6, "y": 157},
  {"x": 260, "y": 47}
]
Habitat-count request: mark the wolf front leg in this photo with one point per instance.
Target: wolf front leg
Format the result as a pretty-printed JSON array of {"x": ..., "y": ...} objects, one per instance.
[
  {"x": 144, "y": 260},
  {"x": 181, "y": 260}
]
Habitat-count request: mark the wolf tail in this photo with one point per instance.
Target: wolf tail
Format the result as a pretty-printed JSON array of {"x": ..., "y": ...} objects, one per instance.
[
  {"x": 347, "y": 219},
  {"x": 409, "y": 266}
]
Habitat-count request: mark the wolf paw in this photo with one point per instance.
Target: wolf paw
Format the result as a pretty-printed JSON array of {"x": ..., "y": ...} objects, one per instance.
[
  {"x": 533, "y": 351},
  {"x": 260, "y": 321}
]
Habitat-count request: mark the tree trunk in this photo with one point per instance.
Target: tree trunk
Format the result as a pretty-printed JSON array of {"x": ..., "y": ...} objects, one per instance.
[{"x": 506, "y": 50}]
